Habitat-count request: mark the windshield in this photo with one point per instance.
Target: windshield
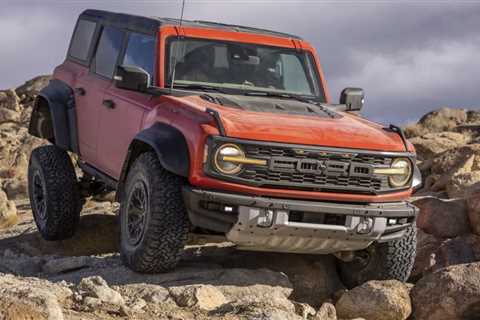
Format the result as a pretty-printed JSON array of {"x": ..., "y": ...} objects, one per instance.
[{"x": 239, "y": 66}]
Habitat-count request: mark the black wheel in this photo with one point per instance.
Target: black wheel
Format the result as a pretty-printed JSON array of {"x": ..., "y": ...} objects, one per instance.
[
  {"x": 53, "y": 192},
  {"x": 382, "y": 261},
  {"x": 153, "y": 219}
]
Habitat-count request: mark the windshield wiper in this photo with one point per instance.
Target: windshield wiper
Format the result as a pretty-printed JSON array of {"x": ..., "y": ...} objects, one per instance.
[
  {"x": 281, "y": 95},
  {"x": 201, "y": 87}
]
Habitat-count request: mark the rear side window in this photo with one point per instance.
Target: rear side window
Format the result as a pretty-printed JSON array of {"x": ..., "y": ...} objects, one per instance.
[
  {"x": 140, "y": 52},
  {"x": 108, "y": 49},
  {"x": 82, "y": 39}
]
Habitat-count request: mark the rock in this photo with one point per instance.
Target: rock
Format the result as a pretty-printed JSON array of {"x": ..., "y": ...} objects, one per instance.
[
  {"x": 326, "y": 312},
  {"x": 376, "y": 300},
  {"x": 461, "y": 184},
  {"x": 304, "y": 310},
  {"x": 28, "y": 298},
  {"x": 96, "y": 287},
  {"x": 455, "y": 251},
  {"x": 443, "y": 119},
  {"x": 205, "y": 297},
  {"x": 448, "y": 294},
  {"x": 20, "y": 264},
  {"x": 8, "y": 212},
  {"x": 65, "y": 264},
  {"x": 16, "y": 189},
  {"x": 473, "y": 204},
  {"x": 458, "y": 160},
  {"x": 30, "y": 89},
  {"x": 441, "y": 218},
  {"x": 431, "y": 144},
  {"x": 261, "y": 312},
  {"x": 425, "y": 260}
]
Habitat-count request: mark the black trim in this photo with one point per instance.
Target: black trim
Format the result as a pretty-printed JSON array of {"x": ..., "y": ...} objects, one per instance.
[
  {"x": 151, "y": 25},
  {"x": 216, "y": 116},
  {"x": 400, "y": 132},
  {"x": 222, "y": 222},
  {"x": 61, "y": 105},
  {"x": 109, "y": 181},
  {"x": 93, "y": 43}
]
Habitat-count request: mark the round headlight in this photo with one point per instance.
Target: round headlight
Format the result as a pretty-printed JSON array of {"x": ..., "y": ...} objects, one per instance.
[
  {"x": 224, "y": 166},
  {"x": 401, "y": 179}
]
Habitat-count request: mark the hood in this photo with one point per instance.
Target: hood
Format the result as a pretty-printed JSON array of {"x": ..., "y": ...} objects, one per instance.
[{"x": 287, "y": 121}]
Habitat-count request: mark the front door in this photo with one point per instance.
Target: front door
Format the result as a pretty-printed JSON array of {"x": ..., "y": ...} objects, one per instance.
[{"x": 121, "y": 120}]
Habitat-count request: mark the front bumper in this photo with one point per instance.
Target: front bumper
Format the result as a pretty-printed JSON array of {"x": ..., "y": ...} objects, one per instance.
[{"x": 299, "y": 226}]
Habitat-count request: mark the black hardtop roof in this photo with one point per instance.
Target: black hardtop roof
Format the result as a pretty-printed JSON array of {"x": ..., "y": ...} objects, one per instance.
[{"x": 152, "y": 24}]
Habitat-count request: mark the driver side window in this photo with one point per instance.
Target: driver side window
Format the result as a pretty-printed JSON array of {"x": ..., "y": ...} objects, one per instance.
[{"x": 140, "y": 52}]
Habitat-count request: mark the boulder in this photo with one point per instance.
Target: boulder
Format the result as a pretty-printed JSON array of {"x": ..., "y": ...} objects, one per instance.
[
  {"x": 473, "y": 203},
  {"x": 462, "y": 159},
  {"x": 97, "y": 288},
  {"x": 326, "y": 312},
  {"x": 8, "y": 212},
  {"x": 425, "y": 259},
  {"x": 443, "y": 218},
  {"x": 30, "y": 89},
  {"x": 431, "y": 144},
  {"x": 29, "y": 298},
  {"x": 443, "y": 119},
  {"x": 452, "y": 293},
  {"x": 304, "y": 310},
  {"x": 205, "y": 297},
  {"x": 16, "y": 188},
  {"x": 456, "y": 251},
  {"x": 460, "y": 184},
  {"x": 376, "y": 300},
  {"x": 66, "y": 264}
]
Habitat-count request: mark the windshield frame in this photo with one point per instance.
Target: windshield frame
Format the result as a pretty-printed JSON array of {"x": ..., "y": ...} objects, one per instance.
[{"x": 309, "y": 67}]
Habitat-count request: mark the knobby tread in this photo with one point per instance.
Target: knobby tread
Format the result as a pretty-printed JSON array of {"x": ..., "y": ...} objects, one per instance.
[
  {"x": 389, "y": 260},
  {"x": 167, "y": 224},
  {"x": 62, "y": 194}
]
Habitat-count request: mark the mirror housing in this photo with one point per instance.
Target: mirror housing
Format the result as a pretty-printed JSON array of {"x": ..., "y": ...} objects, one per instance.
[
  {"x": 132, "y": 78},
  {"x": 352, "y": 98}
]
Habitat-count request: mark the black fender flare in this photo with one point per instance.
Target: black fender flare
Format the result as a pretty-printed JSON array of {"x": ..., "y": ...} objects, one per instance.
[
  {"x": 169, "y": 144},
  {"x": 61, "y": 106}
]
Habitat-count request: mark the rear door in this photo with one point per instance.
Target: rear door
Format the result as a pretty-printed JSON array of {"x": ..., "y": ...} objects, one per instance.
[
  {"x": 94, "y": 84},
  {"x": 85, "y": 86},
  {"x": 122, "y": 120}
]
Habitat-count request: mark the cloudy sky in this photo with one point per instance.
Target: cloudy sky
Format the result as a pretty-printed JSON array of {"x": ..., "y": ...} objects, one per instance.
[{"x": 409, "y": 56}]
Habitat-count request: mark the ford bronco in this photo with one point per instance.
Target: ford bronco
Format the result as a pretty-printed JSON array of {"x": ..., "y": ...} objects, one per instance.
[{"x": 219, "y": 129}]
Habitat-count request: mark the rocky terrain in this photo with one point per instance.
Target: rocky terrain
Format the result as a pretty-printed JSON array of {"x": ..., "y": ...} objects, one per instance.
[{"x": 83, "y": 278}]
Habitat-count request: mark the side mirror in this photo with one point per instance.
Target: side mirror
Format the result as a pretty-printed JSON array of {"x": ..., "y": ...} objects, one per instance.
[
  {"x": 132, "y": 78},
  {"x": 352, "y": 98}
]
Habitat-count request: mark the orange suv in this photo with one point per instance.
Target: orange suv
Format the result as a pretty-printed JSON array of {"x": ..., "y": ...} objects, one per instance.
[{"x": 220, "y": 129}]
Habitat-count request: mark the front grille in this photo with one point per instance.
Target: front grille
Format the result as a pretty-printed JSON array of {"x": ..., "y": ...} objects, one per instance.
[{"x": 314, "y": 168}]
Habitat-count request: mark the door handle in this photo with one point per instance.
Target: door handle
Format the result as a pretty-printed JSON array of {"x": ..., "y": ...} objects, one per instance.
[
  {"x": 110, "y": 104},
  {"x": 80, "y": 91}
]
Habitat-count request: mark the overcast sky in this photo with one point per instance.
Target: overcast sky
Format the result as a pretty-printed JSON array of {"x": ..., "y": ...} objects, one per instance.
[{"x": 409, "y": 56}]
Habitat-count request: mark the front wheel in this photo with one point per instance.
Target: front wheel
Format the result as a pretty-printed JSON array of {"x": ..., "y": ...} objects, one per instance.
[
  {"x": 382, "y": 261},
  {"x": 153, "y": 220}
]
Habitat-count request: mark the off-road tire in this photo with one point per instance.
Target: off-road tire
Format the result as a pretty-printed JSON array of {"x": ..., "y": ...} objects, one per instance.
[
  {"x": 51, "y": 176},
  {"x": 388, "y": 260},
  {"x": 166, "y": 226}
]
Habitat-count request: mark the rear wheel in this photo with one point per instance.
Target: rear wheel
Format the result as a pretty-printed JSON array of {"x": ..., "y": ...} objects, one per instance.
[
  {"x": 53, "y": 192},
  {"x": 154, "y": 223},
  {"x": 382, "y": 261}
]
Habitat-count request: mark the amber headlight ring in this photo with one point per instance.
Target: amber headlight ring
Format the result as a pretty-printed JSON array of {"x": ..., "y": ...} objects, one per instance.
[
  {"x": 401, "y": 180},
  {"x": 228, "y": 150},
  {"x": 399, "y": 173}
]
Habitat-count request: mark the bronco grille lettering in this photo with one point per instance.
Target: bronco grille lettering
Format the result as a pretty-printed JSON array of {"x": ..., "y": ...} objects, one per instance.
[{"x": 324, "y": 167}]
